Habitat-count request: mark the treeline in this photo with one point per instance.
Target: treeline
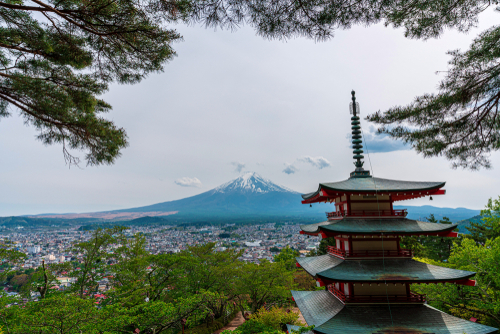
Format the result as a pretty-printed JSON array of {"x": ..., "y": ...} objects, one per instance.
[{"x": 198, "y": 288}]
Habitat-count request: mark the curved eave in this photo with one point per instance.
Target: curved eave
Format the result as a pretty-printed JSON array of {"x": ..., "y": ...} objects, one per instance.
[
  {"x": 410, "y": 319},
  {"x": 375, "y": 226},
  {"x": 335, "y": 229},
  {"x": 314, "y": 264},
  {"x": 402, "y": 191},
  {"x": 317, "y": 307},
  {"x": 392, "y": 271},
  {"x": 313, "y": 229}
]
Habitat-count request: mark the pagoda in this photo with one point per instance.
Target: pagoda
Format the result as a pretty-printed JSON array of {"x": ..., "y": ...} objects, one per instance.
[{"x": 366, "y": 275}]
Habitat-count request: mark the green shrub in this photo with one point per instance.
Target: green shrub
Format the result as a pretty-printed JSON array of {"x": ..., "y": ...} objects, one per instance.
[
  {"x": 204, "y": 329},
  {"x": 253, "y": 327},
  {"x": 214, "y": 326},
  {"x": 276, "y": 318}
]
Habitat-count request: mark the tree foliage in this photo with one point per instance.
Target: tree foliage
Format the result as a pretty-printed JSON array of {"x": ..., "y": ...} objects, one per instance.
[
  {"x": 287, "y": 256},
  {"x": 152, "y": 293},
  {"x": 430, "y": 247},
  {"x": 479, "y": 252},
  {"x": 481, "y": 301},
  {"x": 276, "y": 317},
  {"x": 57, "y": 57},
  {"x": 489, "y": 227},
  {"x": 460, "y": 122},
  {"x": 262, "y": 284}
]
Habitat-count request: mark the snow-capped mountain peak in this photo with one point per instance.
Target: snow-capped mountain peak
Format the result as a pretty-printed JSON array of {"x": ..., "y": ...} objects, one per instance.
[{"x": 251, "y": 182}]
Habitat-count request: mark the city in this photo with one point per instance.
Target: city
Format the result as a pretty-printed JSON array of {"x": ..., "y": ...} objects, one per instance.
[{"x": 257, "y": 241}]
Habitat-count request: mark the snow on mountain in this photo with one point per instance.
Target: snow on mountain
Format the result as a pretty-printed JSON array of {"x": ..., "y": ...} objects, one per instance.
[
  {"x": 249, "y": 195},
  {"x": 251, "y": 182}
]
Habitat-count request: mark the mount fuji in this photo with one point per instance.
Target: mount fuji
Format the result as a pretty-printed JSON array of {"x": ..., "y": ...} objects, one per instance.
[{"x": 249, "y": 195}]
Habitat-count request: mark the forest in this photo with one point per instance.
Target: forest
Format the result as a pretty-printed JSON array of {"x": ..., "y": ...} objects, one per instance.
[{"x": 200, "y": 289}]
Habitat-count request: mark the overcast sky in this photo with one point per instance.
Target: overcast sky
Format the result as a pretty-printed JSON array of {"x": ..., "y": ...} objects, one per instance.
[{"x": 235, "y": 102}]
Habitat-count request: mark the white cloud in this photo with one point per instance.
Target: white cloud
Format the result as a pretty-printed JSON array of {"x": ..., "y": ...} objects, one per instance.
[
  {"x": 318, "y": 162},
  {"x": 188, "y": 182},
  {"x": 238, "y": 166},
  {"x": 290, "y": 169}
]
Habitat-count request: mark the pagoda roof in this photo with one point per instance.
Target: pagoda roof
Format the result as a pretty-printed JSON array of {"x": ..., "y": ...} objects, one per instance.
[
  {"x": 330, "y": 316},
  {"x": 372, "y": 185},
  {"x": 405, "y": 320},
  {"x": 317, "y": 307},
  {"x": 378, "y": 271},
  {"x": 317, "y": 264},
  {"x": 391, "y": 270},
  {"x": 396, "y": 226}
]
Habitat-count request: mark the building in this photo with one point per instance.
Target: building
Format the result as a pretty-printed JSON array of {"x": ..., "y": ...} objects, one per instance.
[
  {"x": 366, "y": 275},
  {"x": 34, "y": 249}
]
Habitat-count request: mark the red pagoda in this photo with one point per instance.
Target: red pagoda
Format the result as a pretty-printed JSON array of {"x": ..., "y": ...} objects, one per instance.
[{"x": 367, "y": 275}]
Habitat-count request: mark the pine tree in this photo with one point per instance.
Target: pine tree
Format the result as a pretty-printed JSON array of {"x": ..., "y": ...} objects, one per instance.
[
  {"x": 489, "y": 228},
  {"x": 460, "y": 122},
  {"x": 57, "y": 57}
]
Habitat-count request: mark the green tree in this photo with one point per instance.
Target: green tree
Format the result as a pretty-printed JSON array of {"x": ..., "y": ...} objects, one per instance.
[
  {"x": 205, "y": 269},
  {"x": 489, "y": 228},
  {"x": 430, "y": 247},
  {"x": 138, "y": 275},
  {"x": 262, "y": 284},
  {"x": 61, "y": 314},
  {"x": 154, "y": 317},
  {"x": 94, "y": 257},
  {"x": 287, "y": 256},
  {"x": 461, "y": 121},
  {"x": 9, "y": 259},
  {"x": 481, "y": 301},
  {"x": 323, "y": 247},
  {"x": 276, "y": 317},
  {"x": 45, "y": 277}
]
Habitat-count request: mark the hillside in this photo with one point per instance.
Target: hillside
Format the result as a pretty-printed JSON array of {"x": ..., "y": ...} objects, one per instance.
[
  {"x": 424, "y": 211},
  {"x": 249, "y": 197},
  {"x": 463, "y": 224}
]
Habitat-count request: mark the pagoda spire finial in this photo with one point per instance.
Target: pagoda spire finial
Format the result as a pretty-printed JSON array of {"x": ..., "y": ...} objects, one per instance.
[{"x": 356, "y": 139}]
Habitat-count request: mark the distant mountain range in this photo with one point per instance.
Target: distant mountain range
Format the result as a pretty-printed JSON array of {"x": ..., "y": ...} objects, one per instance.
[
  {"x": 424, "y": 211},
  {"x": 463, "y": 224},
  {"x": 249, "y": 196}
]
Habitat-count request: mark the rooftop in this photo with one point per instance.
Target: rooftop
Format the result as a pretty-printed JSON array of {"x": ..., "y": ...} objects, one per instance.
[
  {"x": 399, "y": 190},
  {"x": 395, "y": 226},
  {"x": 333, "y": 269},
  {"x": 329, "y": 315}
]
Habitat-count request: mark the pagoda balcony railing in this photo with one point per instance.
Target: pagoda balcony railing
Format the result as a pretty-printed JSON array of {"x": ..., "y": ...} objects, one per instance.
[
  {"x": 337, "y": 293},
  {"x": 367, "y": 213},
  {"x": 332, "y": 250},
  {"x": 412, "y": 298}
]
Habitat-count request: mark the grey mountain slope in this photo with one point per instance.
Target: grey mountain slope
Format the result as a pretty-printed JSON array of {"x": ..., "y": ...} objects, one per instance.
[
  {"x": 249, "y": 194},
  {"x": 424, "y": 211}
]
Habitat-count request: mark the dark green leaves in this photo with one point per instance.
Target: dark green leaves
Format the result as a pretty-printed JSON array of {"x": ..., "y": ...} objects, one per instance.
[
  {"x": 461, "y": 122},
  {"x": 58, "y": 57}
]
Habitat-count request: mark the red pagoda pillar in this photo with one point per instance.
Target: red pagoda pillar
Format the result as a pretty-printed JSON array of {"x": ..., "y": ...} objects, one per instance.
[{"x": 367, "y": 275}]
